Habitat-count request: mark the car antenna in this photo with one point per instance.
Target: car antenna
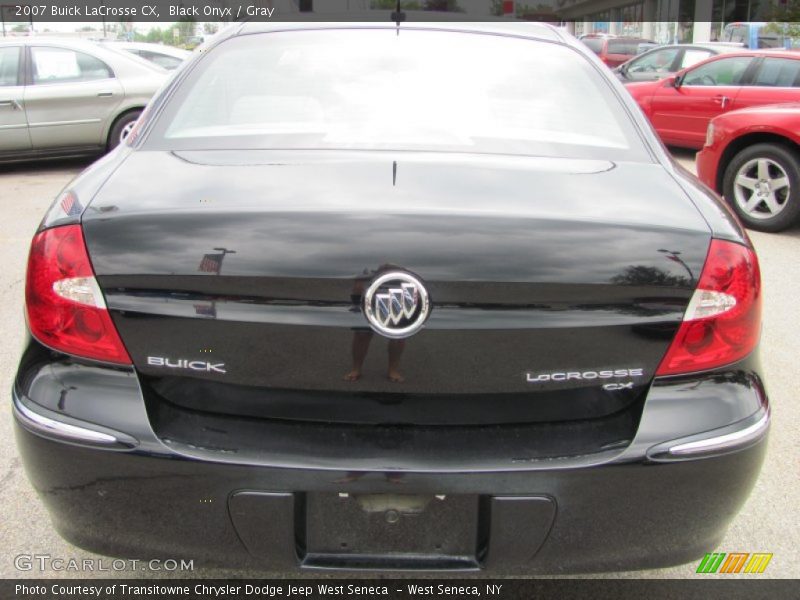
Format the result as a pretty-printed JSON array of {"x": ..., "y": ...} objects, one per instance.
[{"x": 398, "y": 16}]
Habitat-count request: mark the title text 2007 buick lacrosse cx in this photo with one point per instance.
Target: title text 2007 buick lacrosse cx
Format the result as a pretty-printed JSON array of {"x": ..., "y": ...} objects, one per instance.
[{"x": 381, "y": 297}]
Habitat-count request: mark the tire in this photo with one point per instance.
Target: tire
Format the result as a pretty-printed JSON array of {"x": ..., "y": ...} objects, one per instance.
[
  {"x": 762, "y": 184},
  {"x": 121, "y": 128}
]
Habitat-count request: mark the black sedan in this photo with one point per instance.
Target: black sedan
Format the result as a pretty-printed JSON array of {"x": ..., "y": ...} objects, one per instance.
[{"x": 372, "y": 297}]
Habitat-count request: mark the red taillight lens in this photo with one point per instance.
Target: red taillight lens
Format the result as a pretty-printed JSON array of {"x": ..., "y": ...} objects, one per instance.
[
  {"x": 66, "y": 310},
  {"x": 723, "y": 321}
]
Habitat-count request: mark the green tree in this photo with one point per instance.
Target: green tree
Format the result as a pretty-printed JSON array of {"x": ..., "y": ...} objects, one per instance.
[
  {"x": 647, "y": 275},
  {"x": 786, "y": 20},
  {"x": 155, "y": 36},
  {"x": 497, "y": 8},
  {"x": 187, "y": 28},
  {"x": 785, "y": 16},
  {"x": 540, "y": 12}
]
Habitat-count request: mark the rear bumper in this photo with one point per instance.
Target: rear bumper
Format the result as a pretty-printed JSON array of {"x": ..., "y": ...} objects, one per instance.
[
  {"x": 615, "y": 517},
  {"x": 664, "y": 499}
]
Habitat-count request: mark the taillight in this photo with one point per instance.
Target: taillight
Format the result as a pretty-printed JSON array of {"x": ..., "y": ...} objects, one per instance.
[
  {"x": 722, "y": 323},
  {"x": 66, "y": 310}
]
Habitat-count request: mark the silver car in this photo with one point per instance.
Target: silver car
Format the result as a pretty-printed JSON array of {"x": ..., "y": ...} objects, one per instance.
[
  {"x": 69, "y": 97},
  {"x": 661, "y": 61},
  {"x": 165, "y": 56}
]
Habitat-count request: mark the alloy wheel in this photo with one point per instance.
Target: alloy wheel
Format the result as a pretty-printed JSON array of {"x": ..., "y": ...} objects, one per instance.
[{"x": 761, "y": 188}]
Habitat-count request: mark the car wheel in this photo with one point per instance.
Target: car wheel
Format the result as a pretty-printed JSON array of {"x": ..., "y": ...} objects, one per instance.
[
  {"x": 122, "y": 128},
  {"x": 762, "y": 184}
]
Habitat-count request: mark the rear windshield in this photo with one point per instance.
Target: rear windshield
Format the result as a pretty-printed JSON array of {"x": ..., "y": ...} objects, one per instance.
[
  {"x": 371, "y": 89},
  {"x": 627, "y": 47}
]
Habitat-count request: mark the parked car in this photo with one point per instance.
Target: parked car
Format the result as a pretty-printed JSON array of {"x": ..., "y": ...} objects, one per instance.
[
  {"x": 69, "y": 97},
  {"x": 757, "y": 35},
  {"x": 752, "y": 158},
  {"x": 391, "y": 310},
  {"x": 645, "y": 46},
  {"x": 166, "y": 57},
  {"x": 663, "y": 61},
  {"x": 614, "y": 51},
  {"x": 680, "y": 107}
]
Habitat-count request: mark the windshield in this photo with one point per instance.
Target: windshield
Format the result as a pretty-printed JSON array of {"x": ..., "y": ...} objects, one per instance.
[
  {"x": 371, "y": 89},
  {"x": 594, "y": 44}
]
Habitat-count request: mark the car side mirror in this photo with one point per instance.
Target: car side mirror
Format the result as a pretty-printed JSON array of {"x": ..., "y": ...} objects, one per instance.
[{"x": 675, "y": 81}]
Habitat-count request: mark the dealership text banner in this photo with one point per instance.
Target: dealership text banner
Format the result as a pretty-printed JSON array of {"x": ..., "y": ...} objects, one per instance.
[
  {"x": 553, "y": 11},
  {"x": 393, "y": 588}
]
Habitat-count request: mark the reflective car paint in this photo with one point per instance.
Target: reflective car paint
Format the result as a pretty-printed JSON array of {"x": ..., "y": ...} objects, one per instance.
[
  {"x": 262, "y": 484},
  {"x": 263, "y": 292},
  {"x": 159, "y": 484}
]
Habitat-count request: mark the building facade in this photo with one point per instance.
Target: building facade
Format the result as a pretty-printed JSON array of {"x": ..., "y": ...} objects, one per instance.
[{"x": 663, "y": 21}]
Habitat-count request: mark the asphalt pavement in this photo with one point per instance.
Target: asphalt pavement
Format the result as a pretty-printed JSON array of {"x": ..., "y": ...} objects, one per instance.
[{"x": 767, "y": 523}]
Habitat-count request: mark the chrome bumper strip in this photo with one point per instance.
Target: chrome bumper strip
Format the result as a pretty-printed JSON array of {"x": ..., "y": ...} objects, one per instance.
[
  {"x": 732, "y": 438},
  {"x": 39, "y": 423},
  {"x": 723, "y": 442}
]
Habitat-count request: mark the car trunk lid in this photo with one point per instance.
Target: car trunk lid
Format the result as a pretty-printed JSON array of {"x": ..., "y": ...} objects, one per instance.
[{"x": 236, "y": 281}]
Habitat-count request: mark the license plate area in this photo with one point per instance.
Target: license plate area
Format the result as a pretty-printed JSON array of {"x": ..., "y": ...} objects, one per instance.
[{"x": 390, "y": 531}]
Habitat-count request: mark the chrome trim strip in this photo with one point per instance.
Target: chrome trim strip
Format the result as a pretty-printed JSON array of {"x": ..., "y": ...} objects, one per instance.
[
  {"x": 49, "y": 426},
  {"x": 60, "y": 123},
  {"x": 721, "y": 442}
]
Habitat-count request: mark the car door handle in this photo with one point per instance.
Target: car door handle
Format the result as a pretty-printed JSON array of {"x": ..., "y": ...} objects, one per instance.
[
  {"x": 12, "y": 104},
  {"x": 721, "y": 100},
  {"x": 104, "y": 94}
]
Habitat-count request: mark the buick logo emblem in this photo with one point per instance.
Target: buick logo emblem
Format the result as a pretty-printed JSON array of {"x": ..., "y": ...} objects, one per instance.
[{"x": 396, "y": 304}]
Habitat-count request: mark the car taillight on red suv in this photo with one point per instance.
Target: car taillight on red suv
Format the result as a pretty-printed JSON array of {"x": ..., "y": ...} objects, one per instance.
[
  {"x": 65, "y": 307},
  {"x": 722, "y": 323}
]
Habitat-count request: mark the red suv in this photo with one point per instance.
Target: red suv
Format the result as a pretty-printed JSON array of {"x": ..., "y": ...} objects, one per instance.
[
  {"x": 681, "y": 107},
  {"x": 613, "y": 51}
]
